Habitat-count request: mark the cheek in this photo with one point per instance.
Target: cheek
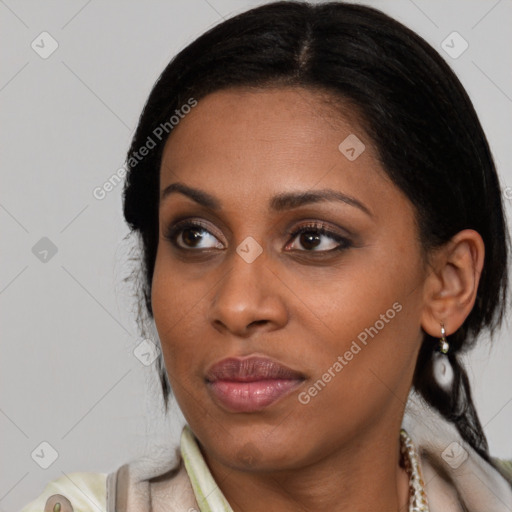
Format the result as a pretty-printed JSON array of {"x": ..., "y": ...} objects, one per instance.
[
  {"x": 368, "y": 330},
  {"x": 368, "y": 292},
  {"x": 174, "y": 306},
  {"x": 362, "y": 373}
]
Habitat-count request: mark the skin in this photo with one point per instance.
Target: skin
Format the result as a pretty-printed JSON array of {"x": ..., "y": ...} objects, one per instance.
[{"x": 297, "y": 303}]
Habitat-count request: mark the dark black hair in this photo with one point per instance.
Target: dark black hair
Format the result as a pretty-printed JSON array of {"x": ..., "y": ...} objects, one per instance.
[{"x": 416, "y": 112}]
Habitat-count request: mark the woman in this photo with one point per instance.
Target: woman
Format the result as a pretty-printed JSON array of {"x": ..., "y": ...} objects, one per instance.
[{"x": 322, "y": 236}]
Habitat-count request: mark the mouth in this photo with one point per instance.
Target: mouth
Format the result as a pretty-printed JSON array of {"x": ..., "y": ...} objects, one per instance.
[{"x": 250, "y": 384}]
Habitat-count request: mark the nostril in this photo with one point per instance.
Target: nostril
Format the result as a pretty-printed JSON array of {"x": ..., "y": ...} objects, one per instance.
[{"x": 258, "y": 322}]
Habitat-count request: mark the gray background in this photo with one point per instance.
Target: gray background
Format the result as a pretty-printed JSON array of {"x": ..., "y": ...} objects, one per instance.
[{"x": 68, "y": 373}]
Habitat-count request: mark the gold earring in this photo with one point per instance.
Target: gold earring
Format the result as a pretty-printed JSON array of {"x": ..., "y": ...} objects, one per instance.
[{"x": 444, "y": 346}]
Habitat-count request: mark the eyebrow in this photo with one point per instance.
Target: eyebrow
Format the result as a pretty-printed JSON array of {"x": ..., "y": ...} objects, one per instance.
[
  {"x": 278, "y": 203},
  {"x": 199, "y": 196}
]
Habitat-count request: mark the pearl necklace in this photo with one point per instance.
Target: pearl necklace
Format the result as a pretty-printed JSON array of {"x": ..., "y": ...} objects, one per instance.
[{"x": 410, "y": 461}]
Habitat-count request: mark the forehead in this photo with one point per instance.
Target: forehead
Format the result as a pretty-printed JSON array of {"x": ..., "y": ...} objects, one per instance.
[
  {"x": 264, "y": 129},
  {"x": 264, "y": 112}
]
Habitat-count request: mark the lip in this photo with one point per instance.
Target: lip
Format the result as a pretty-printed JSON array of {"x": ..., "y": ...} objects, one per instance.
[{"x": 252, "y": 383}]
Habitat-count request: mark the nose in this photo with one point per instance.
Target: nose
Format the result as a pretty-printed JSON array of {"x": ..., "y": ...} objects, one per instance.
[{"x": 248, "y": 298}]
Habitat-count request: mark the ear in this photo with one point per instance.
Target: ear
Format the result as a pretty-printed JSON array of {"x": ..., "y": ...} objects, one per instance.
[{"x": 451, "y": 286}]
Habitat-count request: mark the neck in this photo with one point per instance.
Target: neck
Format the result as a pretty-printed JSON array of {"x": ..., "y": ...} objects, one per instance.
[{"x": 362, "y": 476}]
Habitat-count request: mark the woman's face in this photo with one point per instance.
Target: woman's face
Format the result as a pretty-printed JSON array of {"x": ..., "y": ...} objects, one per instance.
[{"x": 282, "y": 347}]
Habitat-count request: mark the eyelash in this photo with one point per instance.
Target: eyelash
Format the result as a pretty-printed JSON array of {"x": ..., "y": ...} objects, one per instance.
[
  {"x": 318, "y": 228},
  {"x": 321, "y": 229}
]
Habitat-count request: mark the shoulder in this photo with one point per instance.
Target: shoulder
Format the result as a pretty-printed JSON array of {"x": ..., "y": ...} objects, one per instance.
[
  {"x": 80, "y": 491},
  {"x": 168, "y": 490},
  {"x": 150, "y": 483},
  {"x": 453, "y": 471}
]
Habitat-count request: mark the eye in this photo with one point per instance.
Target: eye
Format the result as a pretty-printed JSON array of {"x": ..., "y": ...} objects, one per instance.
[
  {"x": 315, "y": 237},
  {"x": 192, "y": 235}
]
